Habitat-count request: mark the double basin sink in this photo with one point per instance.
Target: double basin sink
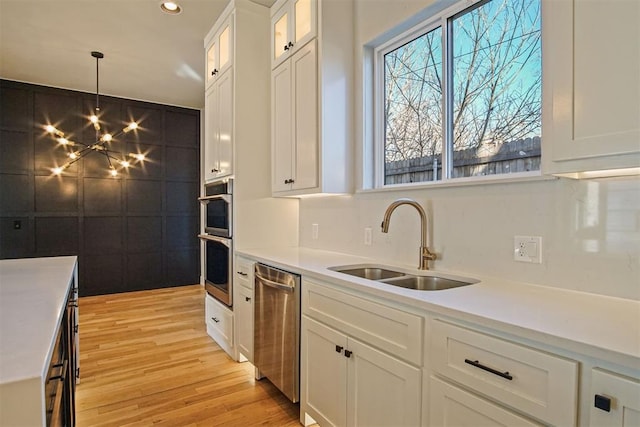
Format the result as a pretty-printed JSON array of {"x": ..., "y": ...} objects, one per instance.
[{"x": 391, "y": 276}]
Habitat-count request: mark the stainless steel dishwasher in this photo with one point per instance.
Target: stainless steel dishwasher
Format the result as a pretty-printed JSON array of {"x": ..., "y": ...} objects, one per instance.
[{"x": 277, "y": 329}]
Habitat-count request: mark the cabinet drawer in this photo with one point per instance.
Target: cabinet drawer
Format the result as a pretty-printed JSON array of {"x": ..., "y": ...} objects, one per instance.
[
  {"x": 453, "y": 406},
  {"x": 219, "y": 321},
  {"x": 536, "y": 383},
  {"x": 244, "y": 272},
  {"x": 395, "y": 331}
]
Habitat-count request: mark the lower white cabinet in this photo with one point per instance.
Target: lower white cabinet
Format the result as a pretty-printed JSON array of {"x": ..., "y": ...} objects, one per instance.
[
  {"x": 542, "y": 385},
  {"x": 615, "y": 400},
  {"x": 352, "y": 372},
  {"x": 451, "y": 406},
  {"x": 219, "y": 321},
  {"x": 243, "y": 307},
  {"x": 348, "y": 383}
]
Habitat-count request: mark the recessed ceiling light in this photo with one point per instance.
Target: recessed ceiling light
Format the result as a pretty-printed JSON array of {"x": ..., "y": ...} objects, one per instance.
[{"x": 170, "y": 7}]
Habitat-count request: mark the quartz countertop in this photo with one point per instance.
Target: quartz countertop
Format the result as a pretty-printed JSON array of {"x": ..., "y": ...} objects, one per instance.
[
  {"x": 33, "y": 295},
  {"x": 595, "y": 325}
]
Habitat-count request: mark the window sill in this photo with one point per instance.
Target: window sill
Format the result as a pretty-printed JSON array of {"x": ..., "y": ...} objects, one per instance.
[{"x": 463, "y": 182}]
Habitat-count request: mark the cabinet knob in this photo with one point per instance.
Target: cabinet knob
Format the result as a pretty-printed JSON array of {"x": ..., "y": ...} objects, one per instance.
[
  {"x": 339, "y": 348},
  {"x": 348, "y": 353},
  {"x": 215, "y": 320},
  {"x": 214, "y": 72},
  {"x": 286, "y": 47},
  {"x": 247, "y": 299},
  {"x": 214, "y": 170},
  {"x": 289, "y": 181},
  {"x": 290, "y": 44},
  {"x": 602, "y": 402}
]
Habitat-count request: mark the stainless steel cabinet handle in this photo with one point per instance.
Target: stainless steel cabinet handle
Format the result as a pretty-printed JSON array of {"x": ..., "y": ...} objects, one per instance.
[{"x": 273, "y": 284}]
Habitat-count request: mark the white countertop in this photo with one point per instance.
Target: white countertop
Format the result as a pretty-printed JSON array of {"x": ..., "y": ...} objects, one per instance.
[
  {"x": 33, "y": 295},
  {"x": 595, "y": 325}
]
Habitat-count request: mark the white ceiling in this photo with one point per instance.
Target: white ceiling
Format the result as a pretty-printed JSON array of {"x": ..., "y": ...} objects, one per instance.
[{"x": 148, "y": 55}]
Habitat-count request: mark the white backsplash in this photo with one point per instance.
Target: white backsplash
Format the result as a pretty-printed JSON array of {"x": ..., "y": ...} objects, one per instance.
[{"x": 590, "y": 230}]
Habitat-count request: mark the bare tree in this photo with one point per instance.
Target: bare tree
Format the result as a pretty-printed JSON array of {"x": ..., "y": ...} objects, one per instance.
[{"x": 496, "y": 83}]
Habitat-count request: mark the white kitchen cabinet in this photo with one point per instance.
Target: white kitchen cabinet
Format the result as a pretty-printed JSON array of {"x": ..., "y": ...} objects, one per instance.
[
  {"x": 293, "y": 23},
  {"x": 451, "y": 406},
  {"x": 591, "y": 86},
  {"x": 295, "y": 122},
  {"x": 615, "y": 400},
  {"x": 237, "y": 73},
  {"x": 351, "y": 374},
  {"x": 218, "y": 153},
  {"x": 243, "y": 307},
  {"x": 311, "y": 98},
  {"x": 219, "y": 49},
  {"x": 348, "y": 383},
  {"x": 219, "y": 321},
  {"x": 541, "y": 385}
]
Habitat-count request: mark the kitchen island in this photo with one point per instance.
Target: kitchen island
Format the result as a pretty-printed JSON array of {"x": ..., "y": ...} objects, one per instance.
[{"x": 38, "y": 340}]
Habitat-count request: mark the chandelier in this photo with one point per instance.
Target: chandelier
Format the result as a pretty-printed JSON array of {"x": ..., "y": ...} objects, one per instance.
[{"x": 76, "y": 151}]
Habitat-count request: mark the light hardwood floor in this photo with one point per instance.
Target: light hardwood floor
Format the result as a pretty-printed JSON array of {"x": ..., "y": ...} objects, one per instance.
[{"x": 146, "y": 359}]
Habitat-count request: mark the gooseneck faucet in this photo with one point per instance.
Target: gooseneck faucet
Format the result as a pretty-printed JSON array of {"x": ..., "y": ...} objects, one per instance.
[{"x": 425, "y": 254}]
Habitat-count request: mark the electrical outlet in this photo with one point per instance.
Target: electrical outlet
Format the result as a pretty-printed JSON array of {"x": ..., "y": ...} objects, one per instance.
[
  {"x": 527, "y": 249},
  {"x": 367, "y": 236},
  {"x": 314, "y": 231}
]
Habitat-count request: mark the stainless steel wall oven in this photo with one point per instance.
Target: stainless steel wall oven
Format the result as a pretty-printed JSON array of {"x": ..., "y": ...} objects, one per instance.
[{"x": 218, "y": 240}]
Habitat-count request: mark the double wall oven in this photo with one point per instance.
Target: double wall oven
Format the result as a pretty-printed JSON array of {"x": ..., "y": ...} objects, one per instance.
[{"x": 218, "y": 239}]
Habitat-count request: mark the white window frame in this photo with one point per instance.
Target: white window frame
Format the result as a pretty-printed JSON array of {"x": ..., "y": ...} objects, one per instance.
[{"x": 438, "y": 19}]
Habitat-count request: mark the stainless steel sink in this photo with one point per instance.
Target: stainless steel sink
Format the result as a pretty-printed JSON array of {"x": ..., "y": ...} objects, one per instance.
[
  {"x": 425, "y": 283},
  {"x": 371, "y": 273},
  {"x": 403, "y": 279}
]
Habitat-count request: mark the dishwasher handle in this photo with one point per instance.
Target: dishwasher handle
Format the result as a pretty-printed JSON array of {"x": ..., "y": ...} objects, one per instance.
[{"x": 272, "y": 284}]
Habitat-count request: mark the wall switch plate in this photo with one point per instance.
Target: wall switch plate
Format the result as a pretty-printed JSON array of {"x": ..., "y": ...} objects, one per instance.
[
  {"x": 367, "y": 236},
  {"x": 314, "y": 231},
  {"x": 527, "y": 249}
]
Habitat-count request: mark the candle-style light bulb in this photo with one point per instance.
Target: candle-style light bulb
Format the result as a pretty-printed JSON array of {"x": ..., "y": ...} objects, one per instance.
[
  {"x": 63, "y": 141},
  {"x": 130, "y": 127},
  {"x": 125, "y": 163},
  {"x": 113, "y": 172},
  {"x": 57, "y": 171},
  {"x": 106, "y": 137},
  {"x": 73, "y": 155}
]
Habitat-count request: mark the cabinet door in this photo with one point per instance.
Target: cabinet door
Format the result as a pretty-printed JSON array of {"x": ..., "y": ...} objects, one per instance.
[
  {"x": 225, "y": 123},
  {"x": 591, "y": 82},
  {"x": 281, "y": 127},
  {"x": 304, "y": 66},
  {"x": 211, "y": 166},
  {"x": 244, "y": 322},
  {"x": 225, "y": 47},
  {"x": 212, "y": 62},
  {"x": 452, "y": 406},
  {"x": 280, "y": 34},
  {"x": 381, "y": 390},
  {"x": 323, "y": 373},
  {"x": 622, "y": 395},
  {"x": 303, "y": 22}
]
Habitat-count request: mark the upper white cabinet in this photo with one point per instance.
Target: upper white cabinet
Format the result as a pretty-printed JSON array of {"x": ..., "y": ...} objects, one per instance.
[
  {"x": 293, "y": 23},
  {"x": 219, "y": 49},
  {"x": 218, "y": 152},
  {"x": 295, "y": 122},
  {"x": 591, "y": 86},
  {"x": 237, "y": 73},
  {"x": 311, "y": 96}
]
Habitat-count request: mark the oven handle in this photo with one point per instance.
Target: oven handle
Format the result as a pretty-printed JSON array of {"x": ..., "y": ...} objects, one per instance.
[
  {"x": 273, "y": 284},
  {"x": 226, "y": 242},
  {"x": 207, "y": 199}
]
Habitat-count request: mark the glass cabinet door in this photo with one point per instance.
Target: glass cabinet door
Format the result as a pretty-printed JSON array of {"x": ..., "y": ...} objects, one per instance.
[
  {"x": 224, "y": 43},
  {"x": 212, "y": 62},
  {"x": 302, "y": 14},
  {"x": 280, "y": 37}
]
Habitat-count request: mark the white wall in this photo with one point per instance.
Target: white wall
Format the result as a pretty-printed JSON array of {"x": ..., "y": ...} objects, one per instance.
[{"x": 590, "y": 229}]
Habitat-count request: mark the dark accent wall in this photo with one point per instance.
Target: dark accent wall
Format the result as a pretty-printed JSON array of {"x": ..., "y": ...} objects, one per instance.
[{"x": 132, "y": 232}]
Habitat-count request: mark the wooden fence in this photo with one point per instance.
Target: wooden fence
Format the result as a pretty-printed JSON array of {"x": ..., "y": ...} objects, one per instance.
[{"x": 515, "y": 156}]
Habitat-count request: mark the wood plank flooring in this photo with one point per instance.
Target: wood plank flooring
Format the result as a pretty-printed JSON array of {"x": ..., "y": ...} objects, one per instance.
[{"x": 146, "y": 359}]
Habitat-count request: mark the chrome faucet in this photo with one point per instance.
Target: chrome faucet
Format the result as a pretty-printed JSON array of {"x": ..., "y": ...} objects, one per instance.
[{"x": 425, "y": 254}]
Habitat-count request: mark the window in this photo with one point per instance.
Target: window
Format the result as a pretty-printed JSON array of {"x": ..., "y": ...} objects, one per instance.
[{"x": 460, "y": 95}]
